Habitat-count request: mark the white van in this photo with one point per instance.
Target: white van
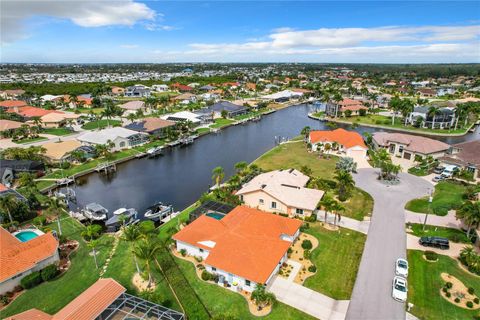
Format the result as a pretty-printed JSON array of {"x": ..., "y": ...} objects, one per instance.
[{"x": 449, "y": 170}]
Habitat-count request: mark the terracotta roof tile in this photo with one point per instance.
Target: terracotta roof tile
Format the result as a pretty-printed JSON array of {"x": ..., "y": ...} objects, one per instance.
[
  {"x": 32, "y": 314},
  {"x": 346, "y": 138}
]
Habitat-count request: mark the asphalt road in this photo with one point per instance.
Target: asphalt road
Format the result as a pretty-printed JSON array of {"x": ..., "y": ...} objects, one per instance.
[{"x": 386, "y": 242}]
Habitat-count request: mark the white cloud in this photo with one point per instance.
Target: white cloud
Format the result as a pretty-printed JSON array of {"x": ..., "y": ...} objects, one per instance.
[
  {"x": 85, "y": 13},
  {"x": 129, "y": 46},
  {"x": 151, "y": 26}
]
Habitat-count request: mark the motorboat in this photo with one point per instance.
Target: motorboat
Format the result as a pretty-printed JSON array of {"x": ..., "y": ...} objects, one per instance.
[
  {"x": 158, "y": 211},
  {"x": 114, "y": 222},
  {"x": 152, "y": 152},
  {"x": 67, "y": 194},
  {"x": 95, "y": 212}
]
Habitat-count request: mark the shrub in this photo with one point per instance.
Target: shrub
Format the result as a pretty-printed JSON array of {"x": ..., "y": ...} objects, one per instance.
[
  {"x": 199, "y": 259},
  {"x": 4, "y": 300},
  {"x": 431, "y": 256},
  {"x": 307, "y": 244},
  {"x": 448, "y": 294},
  {"x": 49, "y": 272},
  {"x": 206, "y": 275},
  {"x": 476, "y": 300},
  {"x": 40, "y": 221},
  {"x": 457, "y": 300},
  {"x": 311, "y": 218},
  {"x": 471, "y": 290},
  {"x": 183, "y": 252},
  {"x": 312, "y": 268},
  {"x": 445, "y": 289},
  {"x": 449, "y": 285},
  {"x": 469, "y": 304},
  {"x": 31, "y": 280},
  {"x": 283, "y": 214},
  {"x": 306, "y": 254},
  {"x": 200, "y": 266}
]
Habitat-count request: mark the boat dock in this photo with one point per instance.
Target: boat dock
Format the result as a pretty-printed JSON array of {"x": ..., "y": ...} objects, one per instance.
[{"x": 106, "y": 167}]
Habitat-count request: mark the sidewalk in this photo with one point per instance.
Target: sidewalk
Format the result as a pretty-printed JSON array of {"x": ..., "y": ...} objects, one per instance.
[
  {"x": 448, "y": 221},
  {"x": 345, "y": 222}
]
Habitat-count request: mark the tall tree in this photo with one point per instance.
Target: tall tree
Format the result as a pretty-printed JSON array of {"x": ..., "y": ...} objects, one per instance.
[
  {"x": 132, "y": 234},
  {"x": 146, "y": 250},
  {"x": 217, "y": 175}
]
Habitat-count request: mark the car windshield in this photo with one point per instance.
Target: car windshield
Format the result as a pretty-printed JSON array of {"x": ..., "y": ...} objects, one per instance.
[
  {"x": 400, "y": 287},
  {"x": 402, "y": 264}
]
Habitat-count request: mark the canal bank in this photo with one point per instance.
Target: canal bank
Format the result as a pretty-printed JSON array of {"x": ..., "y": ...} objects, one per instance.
[{"x": 184, "y": 173}]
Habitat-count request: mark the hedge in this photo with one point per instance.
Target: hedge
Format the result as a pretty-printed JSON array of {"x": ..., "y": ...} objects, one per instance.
[
  {"x": 31, "y": 280},
  {"x": 49, "y": 272}
]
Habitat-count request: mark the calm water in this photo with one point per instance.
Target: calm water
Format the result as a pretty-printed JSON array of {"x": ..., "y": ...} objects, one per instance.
[{"x": 183, "y": 174}]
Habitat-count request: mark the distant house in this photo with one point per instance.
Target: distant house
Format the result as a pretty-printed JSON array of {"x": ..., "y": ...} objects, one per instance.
[
  {"x": 5, "y": 191},
  {"x": 244, "y": 248},
  {"x": 10, "y": 104},
  {"x": 466, "y": 155},
  {"x": 183, "y": 116},
  {"x": 282, "y": 96},
  {"x": 105, "y": 299},
  {"x": 137, "y": 90},
  {"x": 11, "y": 93},
  {"x": 57, "y": 119},
  {"x": 216, "y": 109},
  {"x": 445, "y": 91},
  {"x": 116, "y": 91},
  {"x": 181, "y": 87},
  {"x": 349, "y": 142},
  {"x": 153, "y": 126},
  {"x": 445, "y": 118},
  {"x": 60, "y": 151},
  {"x": 427, "y": 92},
  {"x": 133, "y": 106},
  {"x": 28, "y": 112},
  {"x": 18, "y": 166},
  {"x": 185, "y": 98},
  {"x": 19, "y": 258},
  {"x": 207, "y": 88},
  {"x": 409, "y": 146},
  {"x": 160, "y": 87},
  {"x": 121, "y": 138},
  {"x": 281, "y": 191},
  {"x": 8, "y": 126},
  {"x": 335, "y": 109}
]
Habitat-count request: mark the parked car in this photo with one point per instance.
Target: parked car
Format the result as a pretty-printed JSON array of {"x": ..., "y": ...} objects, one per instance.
[
  {"x": 399, "y": 289},
  {"x": 401, "y": 267},
  {"x": 438, "y": 178},
  {"x": 436, "y": 242},
  {"x": 438, "y": 170},
  {"x": 449, "y": 171}
]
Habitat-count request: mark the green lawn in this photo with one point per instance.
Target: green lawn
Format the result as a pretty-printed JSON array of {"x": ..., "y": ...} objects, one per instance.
[
  {"x": 30, "y": 140},
  {"x": 453, "y": 235},
  {"x": 447, "y": 196},
  {"x": 295, "y": 155},
  {"x": 90, "y": 110},
  {"x": 420, "y": 172},
  {"x": 220, "y": 122},
  {"x": 100, "y": 124},
  {"x": 57, "y": 131},
  {"x": 222, "y": 303},
  {"x": 202, "y": 130},
  {"x": 384, "y": 121},
  {"x": 424, "y": 284},
  {"x": 337, "y": 259}
]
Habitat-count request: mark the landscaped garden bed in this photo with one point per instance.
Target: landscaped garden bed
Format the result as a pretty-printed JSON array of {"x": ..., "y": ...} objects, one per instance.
[{"x": 455, "y": 292}]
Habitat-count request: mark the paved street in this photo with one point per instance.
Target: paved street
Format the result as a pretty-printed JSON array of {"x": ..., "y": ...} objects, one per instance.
[{"x": 386, "y": 241}]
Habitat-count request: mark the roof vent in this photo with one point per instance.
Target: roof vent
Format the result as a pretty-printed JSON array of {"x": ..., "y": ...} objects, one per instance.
[{"x": 263, "y": 186}]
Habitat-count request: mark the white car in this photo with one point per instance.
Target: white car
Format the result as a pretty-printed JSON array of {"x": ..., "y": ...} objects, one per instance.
[
  {"x": 399, "y": 289},
  {"x": 401, "y": 268}
]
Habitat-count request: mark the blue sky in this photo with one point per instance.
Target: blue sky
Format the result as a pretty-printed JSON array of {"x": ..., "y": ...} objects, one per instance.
[{"x": 239, "y": 31}]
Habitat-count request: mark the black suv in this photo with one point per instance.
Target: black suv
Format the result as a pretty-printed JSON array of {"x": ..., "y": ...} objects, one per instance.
[{"x": 436, "y": 242}]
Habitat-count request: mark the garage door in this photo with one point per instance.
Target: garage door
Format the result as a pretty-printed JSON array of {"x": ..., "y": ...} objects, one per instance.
[{"x": 357, "y": 153}]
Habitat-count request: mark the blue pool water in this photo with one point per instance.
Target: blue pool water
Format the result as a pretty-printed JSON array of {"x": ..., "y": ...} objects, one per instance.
[
  {"x": 217, "y": 216},
  {"x": 25, "y": 236}
]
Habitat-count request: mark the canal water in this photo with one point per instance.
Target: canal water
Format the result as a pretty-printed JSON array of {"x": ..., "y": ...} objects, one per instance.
[{"x": 184, "y": 173}]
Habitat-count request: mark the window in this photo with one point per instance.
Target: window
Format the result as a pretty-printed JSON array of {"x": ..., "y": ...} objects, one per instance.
[
  {"x": 400, "y": 149},
  {"x": 299, "y": 211},
  {"x": 201, "y": 250},
  {"x": 274, "y": 205},
  {"x": 122, "y": 144},
  {"x": 214, "y": 269},
  {"x": 241, "y": 197},
  {"x": 261, "y": 201},
  {"x": 247, "y": 283}
]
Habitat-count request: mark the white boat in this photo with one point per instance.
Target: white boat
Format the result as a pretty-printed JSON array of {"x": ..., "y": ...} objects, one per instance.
[
  {"x": 154, "y": 151},
  {"x": 158, "y": 211},
  {"x": 127, "y": 212},
  {"x": 95, "y": 212},
  {"x": 113, "y": 223}
]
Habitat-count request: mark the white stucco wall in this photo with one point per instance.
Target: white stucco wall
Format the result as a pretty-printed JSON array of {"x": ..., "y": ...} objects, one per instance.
[{"x": 192, "y": 250}]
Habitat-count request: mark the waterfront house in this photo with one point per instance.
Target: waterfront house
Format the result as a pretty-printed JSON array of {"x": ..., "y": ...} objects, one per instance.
[
  {"x": 282, "y": 96},
  {"x": 181, "y": 87},
  {"x": 409, "y": 147},
  {"x": 153, "y": 126},
  {"x": 465, "y": 155},
  {"x": 5, "y": 191},
  {"x": 349, "y": 143},
  {"x": 335, "y": 109},
  {"x": 137, "y": 90},
  {"x": 20, "y": 257},
  {"x": 184, "y": 98},
  {"x": 29, "y": 112},
  {"x": 281, "y": 191},
  {"x": 133, "y": 106},
  {"x": 443, "y": 118},
  {"x": 160, "y": 87},
  {"x": 244, "y": 248},
  {"x": 427, "y": 92},
  {"x": 120, "y": 137},
  {"x": 17, "y": 166},
  {"x": 183, "y": 116},
  {"x": 105, "y": 299},
  {"x": 56, "y": 152},
  {"x": 57, "y": 119},
  {"x": 11, "y": 93},
  {"x": 216, "y": 109}
]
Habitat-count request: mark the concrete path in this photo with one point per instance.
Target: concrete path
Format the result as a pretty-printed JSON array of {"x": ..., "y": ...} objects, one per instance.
[
  {"x": 307, "y": 300},
  {"x": 345, "y": 222},
  {"x": 296, "y": 268},
  {"x": 454, "y": 251},
  {"x": 448, "y": 221},
  {"x": 386, "y": 242}
]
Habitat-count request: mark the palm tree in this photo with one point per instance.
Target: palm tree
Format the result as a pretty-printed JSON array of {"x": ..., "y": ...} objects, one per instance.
[
  {"x": 337, "y": 208},
  {"x": 73, "y": 100},
  {"x": 8, "y": 203},
  {"x": 146, "y": 250},
  {"x": 91, "y": 232},
  {"x": 27, "y": 180},
  {"x": 131, "y": 117},
  {"x": 92, "y": 244},
  {"x": 132, "y": 234},
  {"x": 261, "y": 297},
  {"x": 241, "y": 167},
  {"x": 395, "y": 104},
  {"x": 469, "y": 212},
  {"x": 345, "y": 183},
  {"x": 328, "y": 204},
  {"x": 217, "y": 175},
  {"x": 433, "y": 112},
  {"x": 337, "y": 98},
  {"x": 56, "y": 207},
  {"x": 407, "y": 108},
  {"x": 305, "y": 131}
]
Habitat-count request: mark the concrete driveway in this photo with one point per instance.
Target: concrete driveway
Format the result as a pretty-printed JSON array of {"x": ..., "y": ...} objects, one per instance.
[
  {"x": 386, "y": 241},
  {"x": 454, "y": 251}
]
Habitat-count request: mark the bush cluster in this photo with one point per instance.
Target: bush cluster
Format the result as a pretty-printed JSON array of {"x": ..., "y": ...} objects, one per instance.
[
  {"x": 35, "y": 278},
  {"x": 431, "y": 255},
  {"x": 312, "y": 268},
  {"x": 307, "y": 244},
  {"x": 306, "y": 254}
]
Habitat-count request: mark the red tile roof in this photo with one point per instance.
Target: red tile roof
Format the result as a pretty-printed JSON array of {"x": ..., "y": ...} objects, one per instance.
[
  {"x": 247, "y": 241},
  {"x": 346, "y": 138},
  {"x": 17, "y": 256},
  {"x": 181, "y": 87},
  {"x": 12, "y": 103},
  {"x": 30, "y": 112},
  {"x": 32, "y": 314}
]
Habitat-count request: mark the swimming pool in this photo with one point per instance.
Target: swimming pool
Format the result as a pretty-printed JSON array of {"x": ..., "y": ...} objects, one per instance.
[
  {"x": 26, "y": 235},
  {"x": 215, "y": 215}
]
